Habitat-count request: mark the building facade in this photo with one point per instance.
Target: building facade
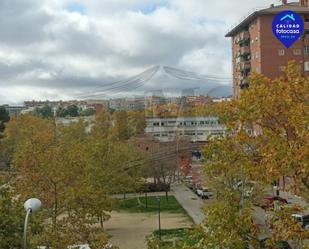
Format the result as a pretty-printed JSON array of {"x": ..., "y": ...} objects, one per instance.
[
  {"x": 14, "y": 111},
  {"x": 256, "y": 49},
  {"x": 194, "y": 129}
]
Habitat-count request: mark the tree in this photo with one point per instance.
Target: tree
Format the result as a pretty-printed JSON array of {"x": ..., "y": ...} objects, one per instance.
[
  {"x": 87, "y": 112},
  {"x": 4, "y": 118},
  {"x": 276, "y": 113},
  {"x": 121, "y": 125},
  {"x": 73, "y": 172},
  {"x": 72, "y": 110},
  {"x": 268, "y": 139},
  {"x": 12, "y": 219},
  {"x": 136, "y": 122},
  {"x": 44, "y": 112},
  {"x": 53, "y": 162},
  {"x": 62, "y": 112}
]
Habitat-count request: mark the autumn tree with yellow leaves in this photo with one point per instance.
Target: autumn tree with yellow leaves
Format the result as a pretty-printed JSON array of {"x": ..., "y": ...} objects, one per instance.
[
  {"x": 73, "y": 172},
  {"x": 268, "y": 139}
]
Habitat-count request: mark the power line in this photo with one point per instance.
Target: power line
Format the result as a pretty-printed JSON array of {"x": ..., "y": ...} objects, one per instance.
[{"x": 141, "y": 79}]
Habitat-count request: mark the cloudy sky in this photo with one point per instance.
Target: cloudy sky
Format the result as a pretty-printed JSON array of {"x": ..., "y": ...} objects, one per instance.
[{"x": 61, "y": 49}]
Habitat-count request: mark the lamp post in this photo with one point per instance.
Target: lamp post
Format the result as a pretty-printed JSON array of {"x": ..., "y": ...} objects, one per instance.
[
  {"x": 32, "y": 205},
  {"x": 159, "y": 215}
]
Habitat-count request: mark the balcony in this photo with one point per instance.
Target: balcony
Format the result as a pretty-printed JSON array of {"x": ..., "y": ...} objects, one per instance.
[
  {"x": 244, "y": 84},
  {"x": 244, "y": 39},
  {"x": 245, "y": 66},
  {"x": 244, "y": 50},
  {"x": 244, "y": 35}
]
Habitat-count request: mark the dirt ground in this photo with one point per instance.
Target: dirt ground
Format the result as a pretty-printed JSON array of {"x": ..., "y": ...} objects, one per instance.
[{"x": 128, "y": 230}]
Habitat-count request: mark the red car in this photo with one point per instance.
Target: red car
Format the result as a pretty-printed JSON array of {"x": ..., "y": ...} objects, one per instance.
[{"x": 268, "y": 201}]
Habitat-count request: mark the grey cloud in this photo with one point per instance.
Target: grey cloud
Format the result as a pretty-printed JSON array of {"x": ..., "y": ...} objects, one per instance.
[
  {"x": 70, "y": 53},
  {"x": 22, "y": 22}
]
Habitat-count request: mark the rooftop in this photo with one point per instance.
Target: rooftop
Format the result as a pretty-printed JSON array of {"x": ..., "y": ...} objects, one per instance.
[{"x": 294, "y": 6}]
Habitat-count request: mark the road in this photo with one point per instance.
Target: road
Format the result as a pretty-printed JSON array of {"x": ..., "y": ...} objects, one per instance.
[{"x": 190, "y": 202}]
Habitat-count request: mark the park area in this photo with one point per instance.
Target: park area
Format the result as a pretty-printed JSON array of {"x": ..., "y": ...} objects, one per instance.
[{"x": 135, "y": 220}]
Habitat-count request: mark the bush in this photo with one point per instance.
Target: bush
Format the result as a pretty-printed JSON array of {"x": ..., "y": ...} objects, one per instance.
[{"x": 156, "y": 187}]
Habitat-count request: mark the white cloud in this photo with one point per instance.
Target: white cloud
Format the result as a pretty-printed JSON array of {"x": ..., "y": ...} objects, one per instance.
[{"x": 53, "y": 52}]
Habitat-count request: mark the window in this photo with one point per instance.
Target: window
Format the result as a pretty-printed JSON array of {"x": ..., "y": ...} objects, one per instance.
[
  {"x": 296, "y": 52},
  {"x": 306, "y": 66},
  {"x": 281, "y": 52},
  {"x": 187, "y": 133},
  {"x": 257, "y": 55},
  {"x": 306, "y": 18},
  {"x": 256, "y": 38},
  {"x": 306, "y": 50}
]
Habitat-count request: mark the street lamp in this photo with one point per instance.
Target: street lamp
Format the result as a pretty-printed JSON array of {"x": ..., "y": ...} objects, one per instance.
[
  {"x": 31, "y": 206},
  {"x": 159, "y": 209}
]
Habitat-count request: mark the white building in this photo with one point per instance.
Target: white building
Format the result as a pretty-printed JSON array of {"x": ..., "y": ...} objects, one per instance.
[{"x": 196, "y": 129}]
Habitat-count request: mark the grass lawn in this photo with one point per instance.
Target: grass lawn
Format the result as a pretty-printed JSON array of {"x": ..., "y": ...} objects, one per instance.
[
  {"x": 173, "y": 233},
  {"x": 174, "y": 237},
  {"x": 139, "y": 205}
]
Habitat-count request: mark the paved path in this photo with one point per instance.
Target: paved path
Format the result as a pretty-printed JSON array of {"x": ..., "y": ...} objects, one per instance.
[{"x": 190, "y": 202}]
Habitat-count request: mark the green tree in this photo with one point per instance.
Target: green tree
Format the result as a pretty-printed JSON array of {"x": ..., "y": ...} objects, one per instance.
[
  {"x": 4, "y": 118},
  {"x": 72, "y": 110},
  {"x": 62, "y": 112},
  {"x": 87, "y": 112},
  {"x": 12, "y": 219},
  {"x": 44, "y": 112}
]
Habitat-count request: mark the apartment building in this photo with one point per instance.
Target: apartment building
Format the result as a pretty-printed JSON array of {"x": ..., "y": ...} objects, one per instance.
[
  {"x": 126, "y": 104},
  {"x": 14, "y": 111},
  {"x": 194, "y": 129},
  {"x": 256, "y": 49}
]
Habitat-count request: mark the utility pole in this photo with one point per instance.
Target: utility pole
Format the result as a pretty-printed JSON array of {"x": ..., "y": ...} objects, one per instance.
[{"x": 159, "y": 215}]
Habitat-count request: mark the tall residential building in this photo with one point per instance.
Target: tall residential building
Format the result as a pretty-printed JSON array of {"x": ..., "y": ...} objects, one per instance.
[{"x": 255, "y": 48}]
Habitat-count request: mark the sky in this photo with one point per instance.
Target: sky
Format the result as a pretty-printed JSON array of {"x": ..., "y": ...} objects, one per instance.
[{"x": 65, "y": 49}]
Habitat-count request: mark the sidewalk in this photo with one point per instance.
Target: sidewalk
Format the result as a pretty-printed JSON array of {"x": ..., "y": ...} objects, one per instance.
[{"x": 190, "y": 202}]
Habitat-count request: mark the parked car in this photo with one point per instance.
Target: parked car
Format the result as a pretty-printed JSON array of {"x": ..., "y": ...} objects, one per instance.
[
  {"x": 187, "y": 179},
  {"x": 204, "y": 193},
  {"x": 281, "y": 244},
  {"x": 193, "y": 187},
  {"x": 303, "y": 219},
  {"x": 268, "y": 201}
]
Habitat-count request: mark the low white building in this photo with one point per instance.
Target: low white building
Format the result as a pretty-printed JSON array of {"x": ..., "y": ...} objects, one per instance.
[{"x": 196, "y": 129}]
